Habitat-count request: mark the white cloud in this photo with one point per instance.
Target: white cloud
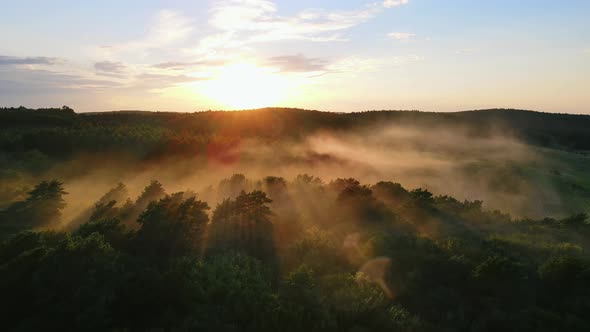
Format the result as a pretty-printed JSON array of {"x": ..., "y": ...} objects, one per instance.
[
  {"x": 356, "y": 65},
  {"x": 39, "y": 60},
  {"x": 404, "y": 36},
  {"x": 109, "y": 67},
  {"x": 168, "y": 29},
  {"x": 297, "y": 63},
  {"x": 237, "y": 24},
  {"x": 248, "y": 21},
  {"x": 167, "y": 56},
  {"x": 394, "y": 3},
  {"x": 26, "y": 80}
]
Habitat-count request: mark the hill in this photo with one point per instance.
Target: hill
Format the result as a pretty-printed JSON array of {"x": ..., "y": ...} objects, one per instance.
[
  {"x": 564, "y": 131},
  {"x": 294, "y": 220},
  {"x": 471, "y": 154}
]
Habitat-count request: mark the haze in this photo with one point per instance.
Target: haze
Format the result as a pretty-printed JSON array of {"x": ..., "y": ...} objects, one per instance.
[{"x": 275, "y": 165}]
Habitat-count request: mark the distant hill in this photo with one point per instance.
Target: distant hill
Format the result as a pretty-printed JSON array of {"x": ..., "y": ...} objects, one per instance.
[
  {"x": 462, "y": 153},
  {"x": 26, "y": 128}
]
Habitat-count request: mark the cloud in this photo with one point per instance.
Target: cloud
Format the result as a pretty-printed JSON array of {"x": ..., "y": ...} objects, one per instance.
[
  {"x": 40, "y": 74},
  {"x": 297, "y": 63},
  {"x": 40, "y": 60},
  {"x": 110, "y": 67},
  {"x": 27, "y": 81},
  {"x": 236, "y": 24},
  {"x": 242, "y": 22},
  {"x": 356, "y": 65},
  {"x": 403, "y": 36},
  {"x": 157, "y": 82},
  {"x": 394, "y": 3},
  {"x": 165, "y": 79},
  {"x": 24, "y": 80},
  {"x": 179, "y": 65},
  {"x": 169, "y": 28},
  {"x": 169, "y": 53},
  {"x": 348, "y": 65}
]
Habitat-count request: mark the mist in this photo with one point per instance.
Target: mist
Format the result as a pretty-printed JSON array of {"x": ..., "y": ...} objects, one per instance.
[
  {"x": 374, "y": 225},
  {"x": 445, "y": 161}
]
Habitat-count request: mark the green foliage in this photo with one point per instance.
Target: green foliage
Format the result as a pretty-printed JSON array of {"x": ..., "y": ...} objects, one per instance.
[
  {"x": 302, "y": 306},
  {"x": 104, "y": 211},
  {"x": 243, "y": 225},
  {"x": 319, "y": 254},
  {"x": 378, "y": 258},
  {"x": 564, "y": 270},
  {"x": 42, "y": 207},
  {"x": 359, "y": 203},
  {"x": 57, "y": 282},
  {"x": 391, "y": 193},
  {"x": 173, "y": 226},
  {"x": 238, "y": 294},
  {"x": 577, "y": 220},
  {"x": 113, "y": 231},
  {"x": 120, "y": 193},
  {"x": 45, "y": 201},
  {"x": 153, "y": 192}
]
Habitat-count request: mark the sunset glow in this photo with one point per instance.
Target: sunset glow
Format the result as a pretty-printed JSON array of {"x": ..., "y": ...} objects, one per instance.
[
  {"x": 246, "y": 86},
  {"x": 341, "y": 56},
  {"x": 295, "y": 165}
]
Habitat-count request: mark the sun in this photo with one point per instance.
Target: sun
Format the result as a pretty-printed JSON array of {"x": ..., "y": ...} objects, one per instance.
[{"x": 246, "y": 86}]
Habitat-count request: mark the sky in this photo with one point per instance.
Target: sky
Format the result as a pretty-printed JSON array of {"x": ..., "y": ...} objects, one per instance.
[{"x": 331, "y": 55}]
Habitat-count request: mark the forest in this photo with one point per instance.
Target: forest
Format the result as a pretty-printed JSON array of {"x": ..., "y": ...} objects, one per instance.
[{"x": 294, "y": 220}]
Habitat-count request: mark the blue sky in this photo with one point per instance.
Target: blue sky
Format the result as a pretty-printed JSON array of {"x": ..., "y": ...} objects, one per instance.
[{"x": 345, "y": 55}]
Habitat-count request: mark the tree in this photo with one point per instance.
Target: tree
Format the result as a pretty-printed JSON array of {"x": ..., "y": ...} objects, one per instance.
[
  {"x": 42, "y": 207},
  {"x": 119, "y": 194},
  {"x": 104, "y": 211},
  {"x": 576, "y": 220},
  {"x": 61, "y": 282},
  {"x": 391, "y": 193},
  {"x": 359, "y": 203},
  {"x": 243, "y": 225},
  {"x": 173, "y": 226},
  {"x": 228, "y": 292},
  {"x": 286, "y": 215},
  {"x": 112, "y": 230},
  {"x": 232, "y": 187},
  {"x": 152, "y": 192},
  {"x": 46, "y": 200},
  {"x": 301, "y": 303},
  {"x": 318, "y": 253}
]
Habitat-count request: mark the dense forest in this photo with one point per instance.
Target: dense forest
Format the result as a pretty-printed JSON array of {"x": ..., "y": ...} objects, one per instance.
[
  {"x": 500, "y": 156},
  {"x": 138, "y": 221},
  {"x": 62, "y": 132}
]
